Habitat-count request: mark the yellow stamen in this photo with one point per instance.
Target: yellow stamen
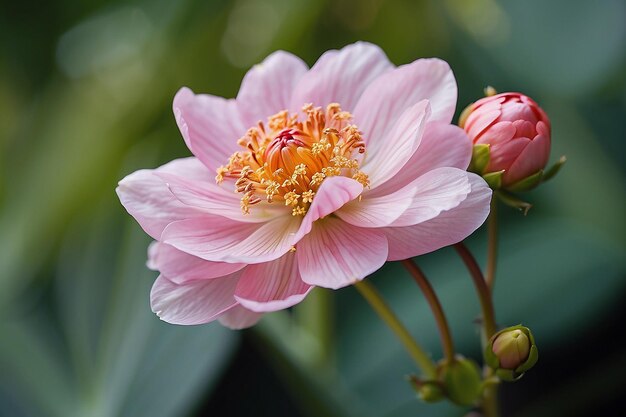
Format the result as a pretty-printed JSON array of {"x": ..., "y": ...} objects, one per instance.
[{"x": 286, "y": 160}]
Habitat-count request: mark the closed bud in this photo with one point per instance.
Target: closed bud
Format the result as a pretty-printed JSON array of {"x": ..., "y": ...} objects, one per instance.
[
  {"x": 511, "y": 352},
  {"x": 428, "y": 391},
  {"x": 461, "y": 380},
  {"x": 512, "y": 135}
]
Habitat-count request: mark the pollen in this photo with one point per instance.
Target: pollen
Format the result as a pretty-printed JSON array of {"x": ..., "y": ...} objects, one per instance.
[{"x": 286, "y": 159}]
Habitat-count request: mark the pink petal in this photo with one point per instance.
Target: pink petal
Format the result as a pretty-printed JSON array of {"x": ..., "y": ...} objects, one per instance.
[
  {"x": 219, "y": 199},
  {"x": 331, "y": 195},
  {"x": 437, "y": 191},
  {"x": 218, "y": 239},
  {"x": 386, "y": 157},
  {"x": 267, "y": 87},
  {"x": 210, "y": 126},
  {"x": 341, "y": 76},
  {"x": 147, "y": 198},
  {"x": 238, "y": 318},
  {"x": 336, "y": 254},
  {"x": 499, "y": 134},
  {"x": 448, "y": 228},
  {"x": 180, "y": 267},
  {"x": 480, "y": 120},
  {"x": 194, "y": 302},
  {"x": 271, "y": 286},
  {"x": 503, "y": 155},
  {"x": 377, "y": 211},
  {"x": 395, "y": 91},
  {"x": 533, "y": 158},
  {"x": 442, "y": 145}
]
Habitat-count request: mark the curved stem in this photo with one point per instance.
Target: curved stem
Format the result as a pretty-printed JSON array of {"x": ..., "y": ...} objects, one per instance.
[
  {"x": 490, "y": 396},
  {"x": 490, "y": 401},
  {"x": 435, "y": 306},
  {"x": 316, "y": 315},
  {"x": 379, "y": 305},
  {"x": 492, "y": 245},
  {"x": 484, "y": 293}
]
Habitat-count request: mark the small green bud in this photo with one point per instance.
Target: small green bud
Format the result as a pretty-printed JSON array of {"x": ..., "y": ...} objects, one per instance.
[
  {"x": 427, "y": 391},
  {"x": 511, "y": 352},
  {"x": 461, "y": 380}
]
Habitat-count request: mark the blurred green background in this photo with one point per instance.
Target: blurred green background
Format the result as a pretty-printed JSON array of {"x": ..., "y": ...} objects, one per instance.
[{"x": 85, "y": 98}]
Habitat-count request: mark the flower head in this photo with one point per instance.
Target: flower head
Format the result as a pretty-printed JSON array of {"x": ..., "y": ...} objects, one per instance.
[
  {"x": 511, "y": 352},
  {"x": 310, "y": 177},
  {"x": 517, "y": 133}
]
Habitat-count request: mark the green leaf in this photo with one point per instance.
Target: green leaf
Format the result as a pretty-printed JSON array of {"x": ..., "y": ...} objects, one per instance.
[{"x": 121, "y": 360}]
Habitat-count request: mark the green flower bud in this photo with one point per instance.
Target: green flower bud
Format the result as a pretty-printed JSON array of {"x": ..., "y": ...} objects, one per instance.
[
  {"x": 511, "y": 352},
  {"x": 427, "y": 391},
  {"x": 461, "y": 380}
]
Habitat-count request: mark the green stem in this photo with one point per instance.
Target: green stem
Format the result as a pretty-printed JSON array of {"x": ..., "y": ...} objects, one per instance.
[
  {"x": 484, "y": 294},
  {"x": 435, "y": 306},
  {"x": 373, "y": 297},
  {"x": 490, "y": 395},
  {"x": 492, "y": 245},
  {"x": 316, "y": 315},
  {"x": 490, "y": 401}
]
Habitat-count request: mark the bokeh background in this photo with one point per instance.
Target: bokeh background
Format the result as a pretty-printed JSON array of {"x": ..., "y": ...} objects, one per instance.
[{"x": 85, "y": 98}]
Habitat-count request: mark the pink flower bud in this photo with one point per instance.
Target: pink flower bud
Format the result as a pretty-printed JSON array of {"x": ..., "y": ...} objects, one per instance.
[{"x": 517, "y": 131}]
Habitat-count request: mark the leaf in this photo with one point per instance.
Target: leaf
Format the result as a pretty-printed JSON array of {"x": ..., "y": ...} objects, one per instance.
[{"x": 120, "y": 359}]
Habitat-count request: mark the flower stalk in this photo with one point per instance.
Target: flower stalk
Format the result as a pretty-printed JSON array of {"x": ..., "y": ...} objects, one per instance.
[
  {"x": 435, "y": 306},
  {"x": 484, "y": 293},
  {"x": 378, "y": 304},
  {"x": 492, "y": 243}
]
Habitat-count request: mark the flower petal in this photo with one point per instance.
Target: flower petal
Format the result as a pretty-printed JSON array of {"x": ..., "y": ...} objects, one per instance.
[
  {"x": 436, "y": 191},
  {"x": 218, "y": 199},
  {"x": 336, "y": 254},
  {"x": 180, "y": 267},
  {"x": 210, "y": 126},
  {"x": 448, "y": 228},
  {"x": 478, "y": 121},
  {"x": 218, "y": 239},
  {"x": 533, "y": 158},
  {"x": 271, "y": 286},
  {"x": 194, "y": 302},
  {"x": 386, "y": 157},
  {"x": 504, "y": 154},
  {"x": 442, "y": 145},
  {"x": 395, "y": 91},
  {"x": 377, "y": 211},
  {"x": 332, "y": 194},
  {"x": 341, "y": 76},
  {"x": 267, "y": 87},
  {"x": 238, "y": 318},
  {"x": 147, "y": 198}
]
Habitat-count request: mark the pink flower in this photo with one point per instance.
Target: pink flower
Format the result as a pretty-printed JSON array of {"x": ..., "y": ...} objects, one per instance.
[
  {"x": 283, "y": 195},
  {"x": 517, "y": 131}
]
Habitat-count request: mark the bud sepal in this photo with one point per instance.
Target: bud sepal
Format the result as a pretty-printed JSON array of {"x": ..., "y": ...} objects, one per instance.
[
  {"x": 480, "y": 158},
  {"x": 512, "y": 201},
  {"x": 461, "y": 380},
  {"x": 511, "y": 352}
]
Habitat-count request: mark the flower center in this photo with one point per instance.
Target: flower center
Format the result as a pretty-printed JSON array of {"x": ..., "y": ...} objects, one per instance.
[{"x": 287, "y": 160}]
